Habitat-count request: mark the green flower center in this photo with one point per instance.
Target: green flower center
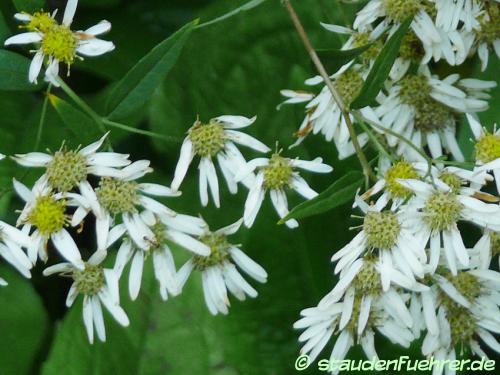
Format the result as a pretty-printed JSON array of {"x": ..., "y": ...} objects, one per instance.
[
  {"x": 90, "y": 280},
  {"x": 430, "y": 114},
  {"x": 208, "y": 139},
  {"x": 400, "y": 170},
  {"x": 219, "y": 247},
  {"x": 40, "y": 21},
  {"x": 367, "y": 282},
  {"x": 452, "y": 180},
  {"x": 117, "y": 196},
  {"x": 160, "y": 236},
  {"x": 349, "y": 84},
  {"x": 495, "y": 243},
  {"x": 442, "y": 210},
  {"x": 66, "y": 170},
  {"x": 399, "y": 10},
  {"x": 278, "y": 173},
  {"x": 48, "y": 215},
  {"x": 487, "y": 148},
  {"x": 60, "y": 43},
  {"x": 490, "y": 26},
  {"x": 382, "y": 229},
  {"x": 462, "y": 325},
  {"x": 361, "y": 40},
  {"x": 411, "y": 48}
]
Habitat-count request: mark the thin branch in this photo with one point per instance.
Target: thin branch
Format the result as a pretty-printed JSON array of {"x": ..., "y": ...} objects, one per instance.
[
  {"x": 367, "y": 170},
  {"x": 43, "y": 115}
]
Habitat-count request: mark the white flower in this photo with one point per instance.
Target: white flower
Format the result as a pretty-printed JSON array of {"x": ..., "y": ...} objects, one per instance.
[
  {"x": 384, "y": 232},
  {"x": 178, "y": 229},
  {"x": 422, "y": 108},
  {"x": 12, "y": 242},
  {"x": 66, "y": 169},
  {"x": 99, "y": 286},
  {"x": 323, "y": 115},
  {"x": 121, "y": 197},
  {"x": 354, "y": 309},
  {"x": 46, "y": 213},
  {"x": 277, "y": 175},
  {"x": 433, "y": 214},
  {"x": 57, "y": 42},
  {"x": 218, "y": 270},
  {"x": 216, "y": 140}
]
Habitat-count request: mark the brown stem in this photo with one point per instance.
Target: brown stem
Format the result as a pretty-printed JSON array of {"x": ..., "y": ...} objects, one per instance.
[{"x": 335, "y": 94}]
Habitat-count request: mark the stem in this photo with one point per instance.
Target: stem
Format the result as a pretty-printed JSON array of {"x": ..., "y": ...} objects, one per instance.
[
  {"x": 139, "y": 131},
  {"x": 42, "y": 118},
  {"x": 368, "y": 172},
  {"x": 373, "y": 138}
]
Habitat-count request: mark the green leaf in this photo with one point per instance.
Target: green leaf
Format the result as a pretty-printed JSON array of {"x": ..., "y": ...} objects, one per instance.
[
  {"x": 340, "y": 192},
  {"x": 28, "y": 5},
  {"x": 382, "y": 67},
  {"x": 245, "y": 7},
  {"x": 23, "y": 323},
  {"x": 14, "y": 72},
  {"x": 4, "y": 29},
  {"x": 334, "y": 59},
  {"x": 83, "y": 128},
  {"x": 134, "y": 90}
]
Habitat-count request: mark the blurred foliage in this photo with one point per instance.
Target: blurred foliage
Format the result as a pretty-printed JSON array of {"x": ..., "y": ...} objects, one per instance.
[{"x": 236, "y": 66}]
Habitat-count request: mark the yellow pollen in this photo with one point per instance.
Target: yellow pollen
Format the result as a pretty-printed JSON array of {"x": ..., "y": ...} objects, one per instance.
[
  {"x": 60, "y": 43},
  {"x": 48, "y": 215}
]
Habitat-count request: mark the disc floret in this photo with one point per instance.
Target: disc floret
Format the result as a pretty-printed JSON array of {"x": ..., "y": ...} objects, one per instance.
[
  {"x": 219, "y": 246},
  {"x": 382, "y": 229},
  {"x": 117, "y": 196},
  {"x": 487, "y": 148},
  {"x": 208, "y": 139},
  {"x": 442, "y": 210},
  {"x": 400, "y": 170},
  {"x": 278, "y": 173},
  {"x": 89, "y": 281},
  {"x": 60, "y": 43},
  {"x": 48, "y": 215},
  {"x": 349, "y": 85},
  {"x": 66, "y": 170}
]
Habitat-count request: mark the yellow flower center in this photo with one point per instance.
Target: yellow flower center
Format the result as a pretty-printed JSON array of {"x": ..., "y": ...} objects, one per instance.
[
  {"x": 399, "y": 10},
  {"x": 349, "y": 85},
  {"x": 452, "y": 180},
  {"x": 487, "y": 148},
  {"x": 48, "y": 215},
  {"x": 208, "y": 139},
  {"x": 411, "y": 48},
  {"x": 367, "y": 282},
  {"x": 442, "y": 210},
  {"x": 66, "y": 170},
  {"x": 117, "y": 196},
  {"x": 60, "y": 43},
  {"x": 278, "y": 173},
  {"x": 400, "y": 170},
  {"x": 489, "y": 30},
  {"x": 362, "y": 39},
  {"x": 219, "y": 247},
  {"x": 40, "y": 21},
  {"x": 382, "y": 229}
]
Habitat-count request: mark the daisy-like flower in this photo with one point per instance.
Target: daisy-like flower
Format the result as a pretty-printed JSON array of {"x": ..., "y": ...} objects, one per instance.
[
  {"x": 468, "y": 312},
  {"x": 277, "y": 175},
  {"x": 178, "y": 229},
  {"x": 99, "y": 286},
  {"x": 323, "y": 115},
  {"x": 57, "y": 43},
  {"x": 354, "y": 310},
  {"x": 46, "y": 213},
  {"x": 486, "y": 148},
  {"x": 121, "y": 197},
  {"x": 216, "y": 140},
  {"x": 66, "y": 169},
  {"x": 433, "y": 214},
  {"x": 218, "y": 270},
  {"x": 423, "y": 108},
  {"x": 12, "y": 242}
]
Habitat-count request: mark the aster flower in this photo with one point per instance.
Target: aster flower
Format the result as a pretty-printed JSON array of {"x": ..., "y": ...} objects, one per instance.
[
  {"x": 385, "y": 233},
  {"x": 323, "y": 115},
  {"x": 354, "y": 310},
  {"x": 433, "y": 213},
  {"x": 121, "y": 197},
  {"x": 46, "y": 213},
  {"x": 216, "y": 140},
  {"x": 66, "y": 169},
  {"x": 277, "y": 175},
  {"x": 12, "y": 242},
  {"x": 468, "y": 312},
  {"x": 178, "y": 229},
  {"x": 99, "y": 286},
  {"x": 219, "y": 272},
  {"x": 57, "y": 43},
  {"x": 423, "y": 108}
]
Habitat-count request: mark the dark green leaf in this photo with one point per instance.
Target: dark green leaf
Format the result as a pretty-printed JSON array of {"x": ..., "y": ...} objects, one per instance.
[
  {"x": 23, "y": 323},
  {"x": 80, "y": 125},
  {"x": 14, "y": 72},
  {"x": 340, "y": 192},
  {"x": 28, "y": 5},
  {"x": 134, "y": 90},
  {"x": 4, "y": 29},
  {"x": 381, "y": 68},
  {"x": 334, "y": 59},
  {"x": 250, "y": 5}
]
